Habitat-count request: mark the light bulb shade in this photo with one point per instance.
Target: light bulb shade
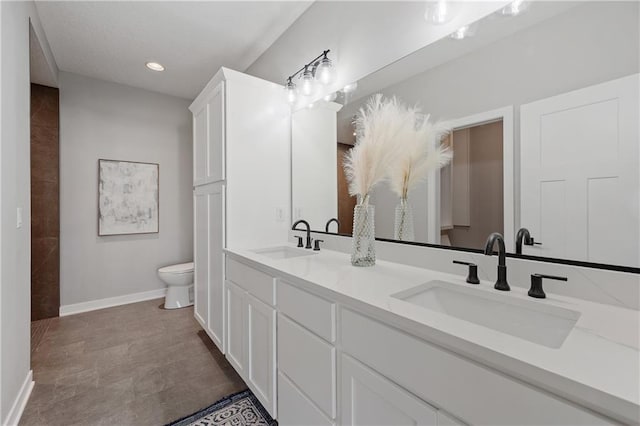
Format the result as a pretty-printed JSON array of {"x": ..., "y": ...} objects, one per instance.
[
  {"x": 325, "y": 73},
  {"x": 291, "y": 91},
  {"x": 307, "y": 83},
  {"x": 438, "y": 12},
  {"x": 514, "y": 8},
  {"x": 330, "y": 97},
  {"x": 350, "y": 87},
  {"x": 464, "y": 32}
]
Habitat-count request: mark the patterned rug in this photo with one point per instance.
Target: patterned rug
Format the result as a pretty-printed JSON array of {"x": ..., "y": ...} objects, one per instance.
[{"x": 239, "y": 409}]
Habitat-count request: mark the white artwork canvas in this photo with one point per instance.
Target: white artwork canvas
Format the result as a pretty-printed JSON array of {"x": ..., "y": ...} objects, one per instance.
[{"x": 128, "y": 198}]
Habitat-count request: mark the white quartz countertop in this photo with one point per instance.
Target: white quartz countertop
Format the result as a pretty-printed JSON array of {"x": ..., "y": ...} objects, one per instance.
[{"x": 597, "y": 366}]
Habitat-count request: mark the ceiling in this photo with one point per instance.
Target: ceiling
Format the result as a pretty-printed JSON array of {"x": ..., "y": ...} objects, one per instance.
[{"x": 113, "y": 40}]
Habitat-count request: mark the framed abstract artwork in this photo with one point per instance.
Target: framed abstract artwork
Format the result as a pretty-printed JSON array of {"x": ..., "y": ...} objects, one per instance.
[{"x": 128, "y": 198}]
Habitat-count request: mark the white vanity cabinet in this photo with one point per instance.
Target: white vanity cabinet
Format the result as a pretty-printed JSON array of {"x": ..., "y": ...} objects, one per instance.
[{"x": 251, "y": 330}]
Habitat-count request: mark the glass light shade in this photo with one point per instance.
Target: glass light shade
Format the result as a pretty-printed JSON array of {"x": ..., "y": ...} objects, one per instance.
[
  {"x": 514, "y": 8},
  {"x": 464, "y": 32},
  {"x": 330, "y": 97},
  {"x": 438, "y": 12},
  {"x": 307, "y": 83},
  {"x": 292, "y": 92},
  {"x": 350, "y": 87},
  {"x": 325, "y": 73}
]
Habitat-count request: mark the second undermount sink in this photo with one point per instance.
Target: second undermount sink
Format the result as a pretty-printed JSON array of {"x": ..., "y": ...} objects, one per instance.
[
  {"x": 284, "y": 252},
  {"x": 545, "y": 325}
]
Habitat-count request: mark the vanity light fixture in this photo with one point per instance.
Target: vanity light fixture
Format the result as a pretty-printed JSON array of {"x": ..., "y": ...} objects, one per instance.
[
  {"x": 155, "y": 66},
  {"x": 350, "y": 87},
  {"x": 438, "y": 12},
  {"x": 464, "y": 32},
  {"x": 307, "y": 82},
  {"x": 330, "y": 97},
  {"x": 292, "y": 92},
  {"x": 514, "y": 8},
  {"x": 319, "y": 70}
]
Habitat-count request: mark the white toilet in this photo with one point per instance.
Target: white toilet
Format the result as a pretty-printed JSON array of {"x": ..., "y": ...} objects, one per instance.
[{"x": 179, "y": 280}]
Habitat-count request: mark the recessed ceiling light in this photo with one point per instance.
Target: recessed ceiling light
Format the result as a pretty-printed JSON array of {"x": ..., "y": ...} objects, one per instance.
[{"x": 154, "y": 66}]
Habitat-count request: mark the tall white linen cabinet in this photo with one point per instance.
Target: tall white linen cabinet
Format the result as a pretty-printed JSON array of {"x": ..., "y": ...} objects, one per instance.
[{"x": 241, "y": 195}]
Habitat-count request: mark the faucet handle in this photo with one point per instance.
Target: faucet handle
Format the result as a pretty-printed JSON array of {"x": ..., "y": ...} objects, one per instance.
[
  {"x": 531, "y": 242},
  {"x": 472, "y": 277},
  {"x": 536, "y": 284},
  {"x": 316, "y": 245},
  {"x": 300, "y": 241}
]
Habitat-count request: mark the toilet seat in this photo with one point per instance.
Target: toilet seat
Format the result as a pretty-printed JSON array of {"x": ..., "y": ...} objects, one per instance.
[{"x": 181, "y": 268}]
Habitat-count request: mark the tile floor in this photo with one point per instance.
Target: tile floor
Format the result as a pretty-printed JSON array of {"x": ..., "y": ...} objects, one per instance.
[{"x": 130, "y": 365}]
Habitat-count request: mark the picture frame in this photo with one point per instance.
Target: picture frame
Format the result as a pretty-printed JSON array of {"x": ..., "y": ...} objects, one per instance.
[{"x": 128, "y": 197}]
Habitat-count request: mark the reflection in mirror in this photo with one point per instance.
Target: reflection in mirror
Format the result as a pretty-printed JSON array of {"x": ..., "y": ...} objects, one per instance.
[{"x": 543, "y": 108}]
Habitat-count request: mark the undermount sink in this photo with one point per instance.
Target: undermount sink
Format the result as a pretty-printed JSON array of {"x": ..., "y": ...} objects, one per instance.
[
  {"x": 542, "y": 324},
  {"x": 283, "y": 252}
]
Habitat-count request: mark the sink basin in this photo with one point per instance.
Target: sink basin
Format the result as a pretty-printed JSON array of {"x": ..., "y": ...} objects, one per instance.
[
  {"x": 284, "y": 252},
  {"x": 538, "y": 323}
]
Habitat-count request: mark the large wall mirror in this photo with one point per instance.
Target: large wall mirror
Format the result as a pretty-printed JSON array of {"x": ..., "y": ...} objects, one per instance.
[{"x": 543, "y": 108}]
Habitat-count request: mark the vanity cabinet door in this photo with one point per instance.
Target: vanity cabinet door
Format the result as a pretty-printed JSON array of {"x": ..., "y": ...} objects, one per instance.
[
  {"x": 370, "y": 399},
  {"x": 261, "y": 326},
  {"x": 215, "y": 323},
  {"x": 201, "y": 257},
  {"x": 216, "y": 136},
  {"x": 209, "y": 139},
  {"x": 235, "y": 335}
]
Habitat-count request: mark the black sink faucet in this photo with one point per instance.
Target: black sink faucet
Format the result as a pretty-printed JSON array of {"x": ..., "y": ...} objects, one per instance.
[
  {"x": 501, "y": 283},
  {"x": 304, "y": 222},
  {"x": 326, "y": 227},
  {"x": 524, "y": 237}
]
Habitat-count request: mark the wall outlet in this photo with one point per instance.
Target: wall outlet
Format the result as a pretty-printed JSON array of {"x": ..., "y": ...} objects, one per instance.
[
  {"x": 19, "y": 217},
  {"x": 279, "y": 215}
]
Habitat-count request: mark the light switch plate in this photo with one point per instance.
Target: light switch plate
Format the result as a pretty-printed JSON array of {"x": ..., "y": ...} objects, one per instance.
[{"x": 19, "y": 217}]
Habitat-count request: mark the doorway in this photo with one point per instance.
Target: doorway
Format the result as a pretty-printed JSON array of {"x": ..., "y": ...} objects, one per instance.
[
  {"x": 471, "y": 187},
  {"x": 45, "y": 189}
]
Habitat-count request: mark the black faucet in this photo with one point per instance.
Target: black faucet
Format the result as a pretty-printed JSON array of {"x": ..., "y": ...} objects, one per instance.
[
  {"x": 501, "y": 282},
  {"x": 304, "y": 222},
  {"x": 326, "y": 227},
  {"x": 523, "y": 237}
]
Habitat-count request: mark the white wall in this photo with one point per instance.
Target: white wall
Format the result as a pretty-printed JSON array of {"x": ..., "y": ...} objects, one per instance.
[
  {"x": 15, "y": 244},
  {"x": 106, "y": 120}
]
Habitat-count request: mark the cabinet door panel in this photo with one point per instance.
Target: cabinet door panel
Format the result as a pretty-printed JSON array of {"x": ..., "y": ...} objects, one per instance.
[
  {"x": 200, "y": 154},
  {"x": 215, "y": 324},
  {"x": 369, "y": 399},
  {"x": 261, "y": 352},
  {"x": 235, "y": 335},
  {"x": 215, "y": 141},
  {"x": 295, "y": 409},
  {"x": 201, "y": 258},
  {"x": 309, "y": 362}
]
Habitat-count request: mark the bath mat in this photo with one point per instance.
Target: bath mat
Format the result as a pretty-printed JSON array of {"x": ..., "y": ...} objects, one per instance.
[{"x": 239, "y": 409}]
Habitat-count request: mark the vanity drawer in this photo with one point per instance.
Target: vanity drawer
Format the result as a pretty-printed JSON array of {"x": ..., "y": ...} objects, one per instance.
[
  {"x": 313, "y": 312},
  {"x": 473, "y": 393},
  {"x": 257, "y": 283},
  {"x": 309, "y": 362},
  {"x": 295, "y": 409}
]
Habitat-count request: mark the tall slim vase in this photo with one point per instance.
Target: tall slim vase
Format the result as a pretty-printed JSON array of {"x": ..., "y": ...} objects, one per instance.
[
  {"x": 363, "y": 252},
  {"x": 403, "y": 229}
]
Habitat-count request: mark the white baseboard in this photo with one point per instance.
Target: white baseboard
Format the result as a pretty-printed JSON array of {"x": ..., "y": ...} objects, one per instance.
[
  {"x": 13, "y": 418},
  {"x": 109, "y": 302}
]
